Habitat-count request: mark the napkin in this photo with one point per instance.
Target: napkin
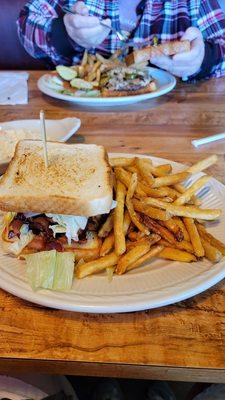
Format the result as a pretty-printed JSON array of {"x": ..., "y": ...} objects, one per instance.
[{"x": 13, "y": 88}]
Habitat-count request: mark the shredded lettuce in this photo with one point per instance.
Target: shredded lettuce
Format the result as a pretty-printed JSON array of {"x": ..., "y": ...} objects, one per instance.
[
  {"x": 50, "y": 270},
  {"x": 68, "y": 224},
  {"x": 25, "y": 238}
]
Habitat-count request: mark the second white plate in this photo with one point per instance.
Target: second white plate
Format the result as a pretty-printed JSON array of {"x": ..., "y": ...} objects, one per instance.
[{"x": 164, "y": 80}]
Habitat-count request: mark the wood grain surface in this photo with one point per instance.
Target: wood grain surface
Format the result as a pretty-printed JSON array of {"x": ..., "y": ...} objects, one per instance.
[{"x": 185, "y": 341}]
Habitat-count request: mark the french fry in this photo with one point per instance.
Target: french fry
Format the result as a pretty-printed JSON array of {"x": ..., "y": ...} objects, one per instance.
[
  {"x": 130, "y": 257},
  {"x": 102, "y": 59},
  {"x": 91, "y": 76},
  {"x": 159, "y": 171},
  {"x": 152, "y": 212},
  {"x": 170, "y": 253},
  {"x": 86, "y": 254},
  {"x": 132, "y": 236},
  {"x": 211, "y": 239},
  {"x": 96, "y": 66},
  {"x": 126, "y": 222},
  {"x": 125, "y": 177},
  {"x": 106, "y": 227},
  {"x": 181, "y": 189},
  {"x": 81, "y": 72},
  {"x": 155, "y": 227},
  {"x": 195, "y": 200},
  {"x": 184, "y": 211},
  {"x": 107, "y": 245},
  {"x": 95, "y": 266},
  {"x": 132, "y": 244},
  {"x": 154, "y": 251},
  {"x": 120, "y": 243},
  {"x": 91, "y": 59},
  {"x": 130, "y": 207},
  {"x": 174, "y": 228},
  {"x": 162, "y": 170},
  {"x": 186, "y": 196},
  {"x": 170, "y": 179},
  {"x": 181, "y": 225},
  {"x": 160, "y": 192},
  {"x": 143, "y": 170},
  {"x": 194, "y": 236},
  {"x": 132, "y": 186},
  {"x": 211, "y": 252},
  {"x": 132, "y": 168},
  {"x": 171, "y": 192},
  {"x": 85, "y": 58},
  {"x": 186, "y": 246},
  {"x": 168, "y": 199},
  {"x": 203, "y": 164},
  {"x": 80, "y": 262},
  {"x": 98, "y": 75}
]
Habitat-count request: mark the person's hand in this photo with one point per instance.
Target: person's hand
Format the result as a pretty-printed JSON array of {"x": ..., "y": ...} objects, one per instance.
[
  {"x": 184, "y": 64},
  {"x": 85, "y": 30}
]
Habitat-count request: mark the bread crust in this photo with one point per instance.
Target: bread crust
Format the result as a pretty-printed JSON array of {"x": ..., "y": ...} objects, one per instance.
[
  {"x": 167, "y": 48},
  {"x": 151, "y": 87}
]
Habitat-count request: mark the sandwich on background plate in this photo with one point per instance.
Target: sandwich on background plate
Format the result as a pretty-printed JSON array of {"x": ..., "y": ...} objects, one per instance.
[
  {"x": 166, "y": 48},
  {"x": 52, "y": 213},
  {"x": 126, "y": 81}
]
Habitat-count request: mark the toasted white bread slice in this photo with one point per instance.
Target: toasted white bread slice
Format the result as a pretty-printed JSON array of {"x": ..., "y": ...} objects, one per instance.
[
  {"x": 76, "y": 182},
  {"x": 167, "y": 48}
]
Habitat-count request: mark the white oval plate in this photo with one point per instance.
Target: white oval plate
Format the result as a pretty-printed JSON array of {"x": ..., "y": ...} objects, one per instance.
[
  {"x": 164, "y": 80},
  {"x": 158, "y": 283},
  {"x": 57, "y": 130}
]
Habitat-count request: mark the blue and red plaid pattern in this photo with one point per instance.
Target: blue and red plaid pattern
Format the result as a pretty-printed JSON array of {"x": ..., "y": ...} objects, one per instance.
[{"x": 167, "y": 20}]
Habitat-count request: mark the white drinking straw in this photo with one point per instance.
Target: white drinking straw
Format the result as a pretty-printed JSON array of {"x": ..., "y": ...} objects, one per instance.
[
  {"x": 208, "y": 139},
  {"x": 44, "y": 139}
]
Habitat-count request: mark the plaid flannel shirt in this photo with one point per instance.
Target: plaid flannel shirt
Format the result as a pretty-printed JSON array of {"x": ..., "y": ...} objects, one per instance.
[{"x": 167, "y": 20}]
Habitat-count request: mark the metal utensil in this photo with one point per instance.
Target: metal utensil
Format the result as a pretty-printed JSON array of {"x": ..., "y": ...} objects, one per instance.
[{"x": 119, "y": 34}]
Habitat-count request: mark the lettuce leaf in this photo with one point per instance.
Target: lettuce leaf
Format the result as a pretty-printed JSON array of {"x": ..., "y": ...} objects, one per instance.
[
  {"x": 41, "y": 269},
  {"x": 64, "y": 270},
  {"x": 50, "y": 270}
]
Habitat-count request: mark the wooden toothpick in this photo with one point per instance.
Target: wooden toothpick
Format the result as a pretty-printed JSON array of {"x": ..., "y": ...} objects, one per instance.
[{"x": 44, "y": 138}]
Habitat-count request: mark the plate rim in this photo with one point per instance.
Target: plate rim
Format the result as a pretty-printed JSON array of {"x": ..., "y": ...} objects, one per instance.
[
  {"x": 110, "y": 101},
  {"x": 136, "y": 305}
]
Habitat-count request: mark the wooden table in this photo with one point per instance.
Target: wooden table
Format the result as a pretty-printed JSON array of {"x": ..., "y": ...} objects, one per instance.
[{"x": 184, "y": 341}]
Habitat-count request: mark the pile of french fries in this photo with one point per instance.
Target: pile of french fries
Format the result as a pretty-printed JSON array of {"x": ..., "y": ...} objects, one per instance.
[
  {"x": 155, "y": 216},
  {"x": 90, "y": 74}
]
